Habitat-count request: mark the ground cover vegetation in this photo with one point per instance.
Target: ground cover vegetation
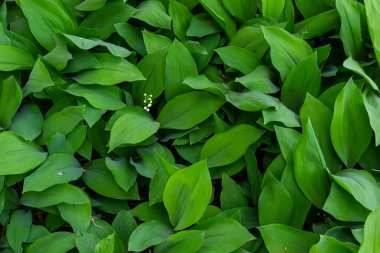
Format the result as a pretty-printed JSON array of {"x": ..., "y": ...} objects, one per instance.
[{"x": 182, "y": 126}]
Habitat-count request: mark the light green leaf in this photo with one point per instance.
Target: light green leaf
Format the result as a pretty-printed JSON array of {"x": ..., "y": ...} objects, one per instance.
[
  {"x": 201, "y": 82},
  {"x": 350, "y": 28},
  {"x": 10, "y": 100},
  {"x": 286, "y": 50},
  {"x": 259, "y": 80},
  {"x": 100, "y": 97},
  {"x": 273, "y": 8},
  {"x": 28, "y": 121},
  {"x": 54, "y": 242},
  {"x": 187, "y": 241},
  {"x": 304, "y": 78},
  {"x": 283, "y": 115},
  {"x": 372, "y": 8},
  {"x": 45, "y": 18},
  {"x": 282, "y": 238},
  {"x": 232, "y": 195},
  {"x": 350, "y": 128},
  {"x": 58, "y": 168},
  {"x": 187, "y": 194},
  {"x": 252, "y": 101},
  {"x": 78, "y": 216},
  {"x": 371, "y": 233},
  {"x": 153, "y": 12},
  {"x": 353, "y": 65},
  {"x": 125, "y": 175},
  {"x": 227, "y": 147},
  {"x": 188, "y": 110},
  {"x": 18, "y": 156},
  {"x": 228, "y": 232},
  {"x": 179, "y": 65},
  {"x": 330, "y": 244},
  {"x": 361, "y": 185},
  {"x": 241, "y": 10},
  {"x": 372, "y": 104},
  {"x": 239, "y": 58},
  {"x": 18, "y": 229},
  {"x": 310, "y": 167},
  {"x": 61, "y": 193},
  {"x": 181, "y": 18},
  {"x": 149, "y": 234},
  {"x": 216, "y": 9},
  {"x": 13, "y": 58},
  {"x": 106, "y": 245},
  {"x": 132, "y": 127},
  {"x": 90, "y": 5},
  {"x": 39, "y": 79}
]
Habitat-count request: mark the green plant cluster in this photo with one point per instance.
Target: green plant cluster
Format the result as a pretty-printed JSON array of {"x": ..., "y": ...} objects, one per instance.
[{"x": 183, "y": 126}]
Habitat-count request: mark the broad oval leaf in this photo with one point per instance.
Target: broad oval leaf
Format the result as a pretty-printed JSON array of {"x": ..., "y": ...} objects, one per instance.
[
  {"x": 187, "y": 241},
  {"x": 153, "y": 12},
  {"x": 252, "y": 101},
  {"x": 54, "y": 242},
  {"x": 228, "y": 232},
  {"x": 330, "y": 244},
  {"x": 239, "y": 58},
  {"x": 13, "y": 58},
  {"x": 273, "y": 8},
  {"x": 310, "y": 167},
  {"x": 188, "y": 110},
  {"x": 28, "y": 121},
  {"x": 58, "y": 168},
  {"x": 187, "y": 194},
  {"x": 149, "y": 234},
  {"x": 371, "y": 233},
  {"x": 372, "y": 104},
  {"x": 18, "y": 156},
  {"x": 10, "y": 100},
  {"x": 350, "y": 128},
  {"x": 18, "y": 229},
  {"x": 227, "y": 147},
  {"x": 372, "y": 8},
  {"x": 132, "y": 127}
]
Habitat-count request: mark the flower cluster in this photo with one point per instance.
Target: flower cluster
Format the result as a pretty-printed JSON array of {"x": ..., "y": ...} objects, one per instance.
[{"x": 147, "y": 101}]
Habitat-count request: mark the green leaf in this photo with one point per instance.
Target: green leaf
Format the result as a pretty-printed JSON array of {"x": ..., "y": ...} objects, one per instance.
[
  {"x": 320, "y": 117},
  {"x": 100, "y": 97},
  {"x": 58, "y": 168},
  {"x": 125, "y": 175},
  {"x": 272, "y": 196},
  {"x": 18, "y": 229},
  {"x": 132, "y": 35},
  {"x": 110, "y": 14},
  {"x": 282, "y": 238},
  {"x": 241, "y": 10},
  {"x": 216, "y": 9},
  {"x": 187, "y": 194},
  {"x": 310, "y": 8},
  {"x": 87, "y": 44},
  {"x": 201, "y": 82},
  {"x": 251, "y": 38},
  {"x": 132, "y": 127},
  {"x": 372, "y": 104},
  {"x": 349, "y": 110},
  {"x": 361, "y": 185},
  {"x": 111, "y": 70},
  {"x": 149, "y": 234},
  {"x": 228, "y": 232},
  {"x": 13, "y": 58},
  {"x": 272, "y": 8},
  {"x": 310, "y": 167},
  {"x": 188, "y": 110},
  {"x": 90, "y": 5},
  {"x": 28, "y": 121},
  {"x": 302, "y": 79},
  {"x": 202, "y": 25},
  {"x": 317, "y": 25},
  {"x": 353, "y": 65},
  {"x": 187, "y": 241},
  {"x": 152, "y": 67},
  {"x": 330, "y": 244},
  {"x": 283, "y": 115},
  {"x": 10, "y": 100},
  {"x": 124, "y": 224},
  {"x": 232, "y": 194},
  {"x": 45, "y": 18},
  {"x": 18, "y": 156},
  {"x": 259, "y": 80},
  {"x": 97, "y": 175},
  {"x": 106, "y": 245},
  {"x": 39, "y": 79},
  {"x": 181, "y": 18},
  {"x": 54, "y": 242},
  {"x": 350, "y": 28},
  {"x": 239, "y": 58},
  {"x": 153, "y": 12},
  {"x": 287, "y": 139},
  {"x": 371, "y": 233},
  {"x": 227, "y": 147},
  {"x": 61, "y": 193},
  {"x": 59, "y": 56},
  {"x": 179, "y": 65},
  {"x": 286, "y": 50},
  {"x": 252, "y": 101},
  {"x": 339, "y": 201},
  {"x": 372, "y": 9},
  {"x": 78, "y": 216}
]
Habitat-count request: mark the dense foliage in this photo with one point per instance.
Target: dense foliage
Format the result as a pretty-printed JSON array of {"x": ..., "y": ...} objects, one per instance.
[{"x": 182, "y": 126}]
